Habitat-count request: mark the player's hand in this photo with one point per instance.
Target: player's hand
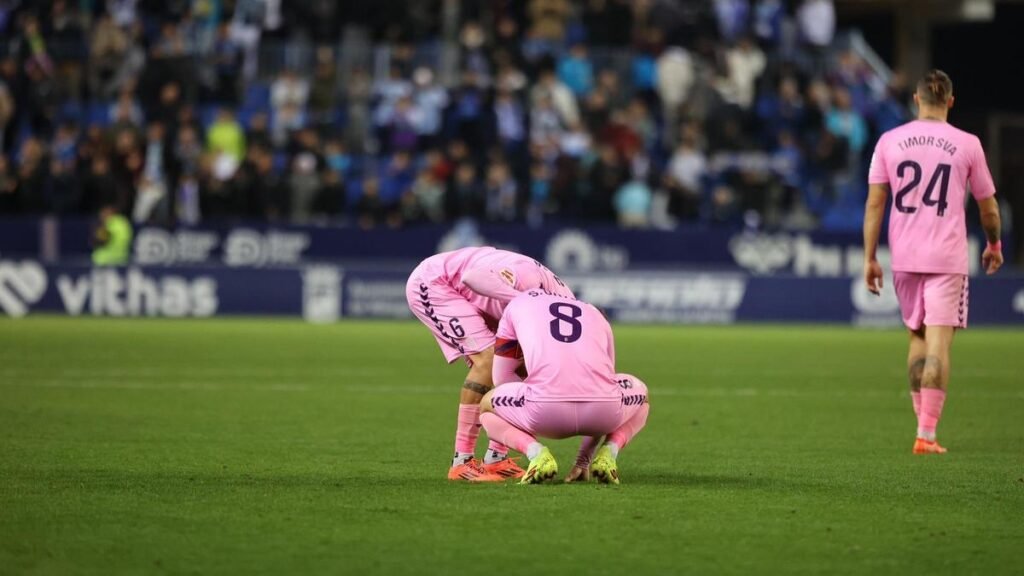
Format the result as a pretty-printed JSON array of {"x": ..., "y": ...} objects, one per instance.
[
  {"x": 873, "y": 276},
  {"x": 991, "y": 260},
  {"x": 578, "y": 474}
]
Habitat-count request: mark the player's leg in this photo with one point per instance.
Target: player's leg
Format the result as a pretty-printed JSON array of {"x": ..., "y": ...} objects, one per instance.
[
  {"x": 509, "y": 418},
  {"x": 945, "y": 297},
  {"x": 478, "y": 383},
  {"x": 934, "y": 379},
  {"x": 460, "y": 332},
  {"x": 635, "y": 409},
  {"x": 915, "y": 366}
]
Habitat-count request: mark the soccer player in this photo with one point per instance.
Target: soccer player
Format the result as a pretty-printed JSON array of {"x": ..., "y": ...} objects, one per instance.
[
  {"x": 930, "y": 164},
  {"x": 460, "y": 296},
  {"x": 571, "y": 388}
]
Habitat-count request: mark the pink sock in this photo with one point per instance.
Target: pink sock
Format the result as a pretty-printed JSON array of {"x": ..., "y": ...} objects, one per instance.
[
  {"x": 468, "y": 428},
  {"x": 505, "y": 432},
  {"x": 627, "y": 431},
  {"x": 915, "y": 397},
  {"x": 497, "y": 447},
  {"x": 932, "y": 400}
]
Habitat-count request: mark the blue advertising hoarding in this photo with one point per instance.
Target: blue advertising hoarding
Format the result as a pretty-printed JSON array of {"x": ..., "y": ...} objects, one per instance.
[{"x": 325, "y": 293}]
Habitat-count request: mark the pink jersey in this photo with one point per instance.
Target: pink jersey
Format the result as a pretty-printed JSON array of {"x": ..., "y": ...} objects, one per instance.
[
  {"x": 928, "y": 166},
  {"x": 566, "y": 344},
  {"x": 499, "y": 276}
]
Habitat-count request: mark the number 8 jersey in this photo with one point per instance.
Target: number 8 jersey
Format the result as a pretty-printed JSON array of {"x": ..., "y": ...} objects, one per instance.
[
  {"x": 928, "y": 166},
  {"x": 566, "y": 344}
]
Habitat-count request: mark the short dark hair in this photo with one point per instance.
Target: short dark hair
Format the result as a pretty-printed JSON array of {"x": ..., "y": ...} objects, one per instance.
[{"x": 935, "y": 88}]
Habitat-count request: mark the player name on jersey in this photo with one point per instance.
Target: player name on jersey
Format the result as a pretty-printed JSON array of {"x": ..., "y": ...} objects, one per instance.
[{"x": 915, "y": 141}]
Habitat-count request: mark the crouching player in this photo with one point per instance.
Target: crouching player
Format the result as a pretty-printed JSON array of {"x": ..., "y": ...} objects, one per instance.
[
  {"x": 459, "y": 296},
  {"x": 571, "y": 388}
]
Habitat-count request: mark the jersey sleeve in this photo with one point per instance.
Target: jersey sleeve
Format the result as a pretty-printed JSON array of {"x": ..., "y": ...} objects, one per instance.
[
  {"x": 497, "y": 283},
  {"x": 507, "y": 352},
  {"x": 980, "y": 178},
  {"x": 877, "y": 173}
]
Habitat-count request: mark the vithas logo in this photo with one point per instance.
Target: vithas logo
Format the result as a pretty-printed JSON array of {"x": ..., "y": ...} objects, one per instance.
[{"x": 21, "y": 285}]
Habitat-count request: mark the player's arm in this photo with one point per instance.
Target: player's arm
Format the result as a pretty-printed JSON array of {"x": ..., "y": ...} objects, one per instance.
[
  {"x": 874, "y": 212},
  {"x": 508, "y": 355},
  {"x": 992, "y": 258},
  {"x": 984, "y": 191},
  {"x": 499, "y": 284}
]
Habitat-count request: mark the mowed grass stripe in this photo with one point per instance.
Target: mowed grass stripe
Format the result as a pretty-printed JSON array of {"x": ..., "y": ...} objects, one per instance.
[{"x": 769, "y": 450}]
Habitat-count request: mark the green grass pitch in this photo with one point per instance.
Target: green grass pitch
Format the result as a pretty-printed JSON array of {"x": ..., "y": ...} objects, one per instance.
[{"x": 276, "y": 447}]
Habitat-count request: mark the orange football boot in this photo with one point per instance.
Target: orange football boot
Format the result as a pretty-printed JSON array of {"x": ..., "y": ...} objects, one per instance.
[
  {"x": 472, "y": 471},
  {"x": 506, "y": 468},
  {"x": 922, "y": 446}
]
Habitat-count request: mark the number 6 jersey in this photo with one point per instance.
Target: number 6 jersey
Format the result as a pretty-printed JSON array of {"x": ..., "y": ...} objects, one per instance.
[
  {"x": 567, "y": 346},
  {"x": 928, "y": 166}
]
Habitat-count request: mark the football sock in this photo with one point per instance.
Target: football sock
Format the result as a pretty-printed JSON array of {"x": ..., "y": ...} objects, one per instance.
[
  {"x": 468, "y": 428},
  {"x": 461, "y": 458},
  {"x": 533, "y": 450},
  {"x": 915, "y": 397},
  {"x": 932, "y": 400},
  {"x": 499, "y": 449},
  {"x": 492, "y": 456},
  {"x": 618, "y": 439},
  {"x": 506, "y": 433}
]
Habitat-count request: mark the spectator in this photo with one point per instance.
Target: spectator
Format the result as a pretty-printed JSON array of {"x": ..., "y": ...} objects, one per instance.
[
  {"x": 371, "y": 210},
  {"x": 428, "y": 195},
  {"x": 817, "y": 20},
  {"x": 9, "y": 203},
  {"x": 576, "y": 71},
  {"x": 633, "y": 204},
  {"x": 675, "y": 77},
  {"x": 289, "y": 92},
  {"x": 31, "y": 160},
  {"x": 465, "y": 197},
  {"x": 782, "y": 111},
  {"x": 746, "y": 64},
  {"x": 429, "y": 99},
  {"x": 501, "y": 194},
  {"x": 112, "y": 239},
  {"x": 225, "y": 136},
  {"x": 607, "y": 175},
  {"x": 62, "y": 189},
  {"x": 227, "y": 62},
  {"x": 843, "y": 121},
  {"x": 684, "y": 177},
  {"x": 397, "y": 178},
  {"x": 510, "y": 120},
  {"x": 562, "y": 100},
  {"x": 733, "y": 18},
  {"x": 304, "y": 177},
  {"x": 769, "y": 16},
  {"x": 324, "y": 92},
  {"x": 547, "y": 19}
]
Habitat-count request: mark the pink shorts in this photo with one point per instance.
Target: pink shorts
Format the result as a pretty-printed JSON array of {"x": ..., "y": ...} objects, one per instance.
[
  {"x": 458, "y": 327},
  {"x": 932, "y": 299},
  {"x": 562, "y": 419}
]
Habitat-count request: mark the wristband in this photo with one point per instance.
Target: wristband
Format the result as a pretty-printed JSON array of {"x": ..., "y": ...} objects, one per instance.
[{"x": 996, "y": 246}]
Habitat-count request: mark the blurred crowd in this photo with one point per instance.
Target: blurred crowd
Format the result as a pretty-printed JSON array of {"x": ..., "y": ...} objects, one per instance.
[{"x": 390, "y": 113}]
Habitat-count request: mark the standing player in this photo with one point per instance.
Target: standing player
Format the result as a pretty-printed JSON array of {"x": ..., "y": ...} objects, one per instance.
[
  {"x": 930, "y": 164},
  {"x": 460, "y": 296},
  {"x": 571, "y": 388}
]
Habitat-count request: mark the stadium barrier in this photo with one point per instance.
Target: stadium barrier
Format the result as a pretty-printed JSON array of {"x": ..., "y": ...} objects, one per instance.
[
  {"x": 566, "y": 249},
  {"x": 326, "y": 293}
]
